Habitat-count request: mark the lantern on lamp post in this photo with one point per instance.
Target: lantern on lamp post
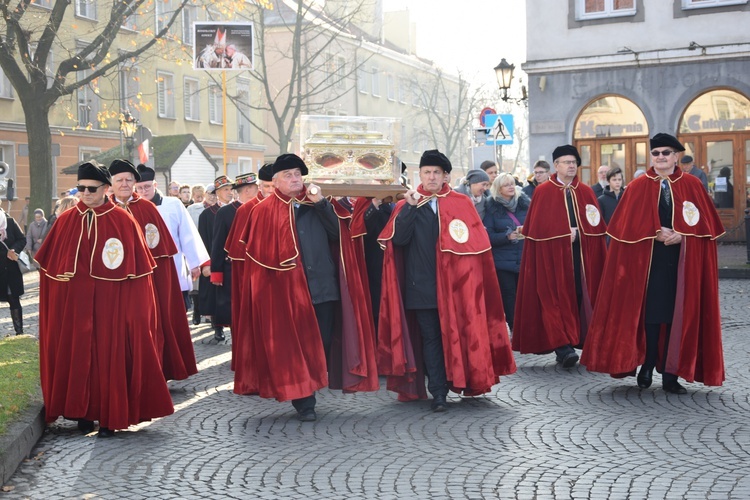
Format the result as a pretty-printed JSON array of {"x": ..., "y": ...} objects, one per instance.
[{"x": 128, "y": 127}]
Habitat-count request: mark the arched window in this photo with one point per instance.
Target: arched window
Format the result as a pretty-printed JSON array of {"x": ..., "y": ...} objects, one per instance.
[
  {"x": 717, "y": 111},
  {"x": 611, "y": 131},
  {"x": 610, "y": 116}
]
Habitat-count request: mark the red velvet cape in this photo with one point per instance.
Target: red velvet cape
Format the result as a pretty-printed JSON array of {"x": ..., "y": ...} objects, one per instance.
[
  {"x": 173, "y": 342},
  {"x": 282, "y": 356},
  {"x": 236, "y": 252},
  {"x": 353, "y": 366},
  {"x": 617, "y": 341},
  {"x": 547, "y": 313},
  {"x": 472, "y": 321},
  {"x": 96, "y": 319}
]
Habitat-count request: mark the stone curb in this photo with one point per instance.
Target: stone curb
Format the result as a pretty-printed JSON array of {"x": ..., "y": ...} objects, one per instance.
[
  {"x": 20, "y": 439},
  {"x": 734, "y": 273}
]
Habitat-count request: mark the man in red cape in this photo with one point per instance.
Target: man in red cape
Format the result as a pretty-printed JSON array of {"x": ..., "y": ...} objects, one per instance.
[
  {"x": 172, "y": 335},
  {"x": 437, "y": 310},
  {"x": 561, "y": 264},
  {"x": 235, "y": 248},
  {"x": 293, "y": 292},
  {"x": 660, "y": 301},
  {"x": 97, "y": 316}
]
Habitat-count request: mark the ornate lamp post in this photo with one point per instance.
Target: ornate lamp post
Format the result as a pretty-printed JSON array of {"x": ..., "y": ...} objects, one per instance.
[
  {"x": 128, "y": 127},
  {"x": 504, "y": 74}
]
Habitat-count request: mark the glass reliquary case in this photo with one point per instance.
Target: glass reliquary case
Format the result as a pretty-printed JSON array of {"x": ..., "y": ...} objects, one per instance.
[{"x": 352, "y": 155}]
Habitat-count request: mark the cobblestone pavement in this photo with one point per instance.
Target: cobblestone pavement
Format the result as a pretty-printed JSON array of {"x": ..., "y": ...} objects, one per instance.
[{"x": 543, "y": 433}]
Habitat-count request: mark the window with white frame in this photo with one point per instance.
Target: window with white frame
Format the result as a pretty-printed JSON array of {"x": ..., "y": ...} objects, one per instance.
[
  {"x": 47, "y": 4},
  {"x": 164, "y": 12},
  {"x": 243, "y": 112},
  {"x": 188, "y": 17},
  {"x": 49, "y": 65},
  {"x": 192, "y": 99},
  {"x": 700, "y": 4},
  {"x": 244, "y": 165},
  {"x": 375, "y": 81},
  {"x": 329, "y": 68},
  {"x": 404, "y": 139},
  {"x": 86, "y": 153},
  {"x": 214, "y": 104},
  {"x": 165, "y": 94},
  {"x": 88, "y": 101},
  {"x": 86, "y": 8},
  {"x": 6, "y": 89},
  {"x": 130, "y": 89},
  {"x": 362, "y": 80},
  {"x": 403, "y": 87},
  {"x": 598, "y": 9},
  {"x": 415, "y": 95},
  {"x": 416, "y": 140},
  {"x": 340, "y": 71},
  {"x": 390, "y": 87},
  {"x": 130, "y": 22}
]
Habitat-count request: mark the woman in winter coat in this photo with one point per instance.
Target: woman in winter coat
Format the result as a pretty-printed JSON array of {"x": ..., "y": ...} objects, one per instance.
[
  {"x": 504, "y": 215},
  {"x": 611, "y": 195},
  {"x": 35, "y": 232},
  {"x": 12, "y": 242}
]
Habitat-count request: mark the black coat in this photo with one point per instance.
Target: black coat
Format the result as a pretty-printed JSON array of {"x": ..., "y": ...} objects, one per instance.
[
  {"x": 10, "y": 274},
  {"x": 608, "y": 202},
  {"x": 207, "y": 298},
  {"x": 417, "y": 230},
  {"x": 318, "y": 229},
  {"x": 220, "y": 263},
  {"x": 505, "y": 253},
  {"x": 375, "y": 221}
]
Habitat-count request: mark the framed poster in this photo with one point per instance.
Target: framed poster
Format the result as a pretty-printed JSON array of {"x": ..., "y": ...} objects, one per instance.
[{"x": 223, "y": 46}]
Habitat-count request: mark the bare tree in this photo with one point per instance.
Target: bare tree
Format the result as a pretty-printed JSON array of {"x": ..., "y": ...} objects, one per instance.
[
  {"x": 448, "y": 106},
  {"x": 22, "y": 29},
  {"x": 315, "y": 50}
]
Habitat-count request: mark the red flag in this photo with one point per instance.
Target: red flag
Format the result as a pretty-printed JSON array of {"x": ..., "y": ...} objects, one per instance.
[{"x": 143, "y": 151}]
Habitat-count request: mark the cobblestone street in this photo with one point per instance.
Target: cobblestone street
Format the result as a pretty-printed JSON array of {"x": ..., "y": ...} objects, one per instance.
[{"x": 544, "y": 432}]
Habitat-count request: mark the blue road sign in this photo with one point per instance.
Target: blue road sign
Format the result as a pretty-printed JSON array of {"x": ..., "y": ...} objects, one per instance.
[{"x": 500, "y": 129}]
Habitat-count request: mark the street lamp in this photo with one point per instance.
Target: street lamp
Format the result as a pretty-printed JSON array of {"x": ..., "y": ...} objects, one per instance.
[
  {"x": 128, "y": 127},
  {"x": 504, "y": 74}
]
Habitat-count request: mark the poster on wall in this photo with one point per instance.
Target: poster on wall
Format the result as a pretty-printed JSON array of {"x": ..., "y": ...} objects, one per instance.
[{"x": 223, "y": 46}]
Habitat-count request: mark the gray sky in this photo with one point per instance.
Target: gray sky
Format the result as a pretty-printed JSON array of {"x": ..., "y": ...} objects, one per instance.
[{"x": 469, "y": 35}]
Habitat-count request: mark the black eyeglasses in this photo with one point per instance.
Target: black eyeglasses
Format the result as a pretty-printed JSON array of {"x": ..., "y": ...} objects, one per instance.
[
  {"x": 666, "y": 152},
  {"x": 92, "y": 189}
]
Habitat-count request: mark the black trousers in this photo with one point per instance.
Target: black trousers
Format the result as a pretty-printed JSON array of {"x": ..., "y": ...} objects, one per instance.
[
  {"x": 325, "y": 314},
  {"x": 652, "y": 349},
  {"x": 508, "y": 281},
  {"x": 432, "y": 351}
]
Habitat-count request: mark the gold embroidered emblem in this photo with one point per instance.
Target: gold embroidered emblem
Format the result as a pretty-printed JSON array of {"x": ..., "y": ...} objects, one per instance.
[
  {"x": 113, "y": 253},
  {"x": 152, "y": 235},
  {"x": 593, "y": 215},
  {"x": 459, "y": 231},
  {"x": 690, "y": 213}
]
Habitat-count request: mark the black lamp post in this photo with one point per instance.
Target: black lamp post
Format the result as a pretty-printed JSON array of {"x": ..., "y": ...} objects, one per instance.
[
  {"x": 128, "y": 127},
  {"x": 504, "y": 74}
]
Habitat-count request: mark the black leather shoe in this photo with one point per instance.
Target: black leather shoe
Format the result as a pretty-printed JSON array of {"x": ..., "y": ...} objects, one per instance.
[
  {"x": 307, "y": 416},
  {"x": 105, "y": 433},
  {"x": 570, "y": 360},
  {"x": 438, "y": 404},
  {"x": 85, "y": 426},
  {"x": 219, "y": 334},
  {"x": 645, "y": 378},
  {"x": 674, "y": 387},
  {"x": 196, "y": 319}
]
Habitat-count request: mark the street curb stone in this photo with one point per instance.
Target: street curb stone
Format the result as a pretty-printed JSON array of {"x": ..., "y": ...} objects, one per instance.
[{"x": 20, "y": 439}]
